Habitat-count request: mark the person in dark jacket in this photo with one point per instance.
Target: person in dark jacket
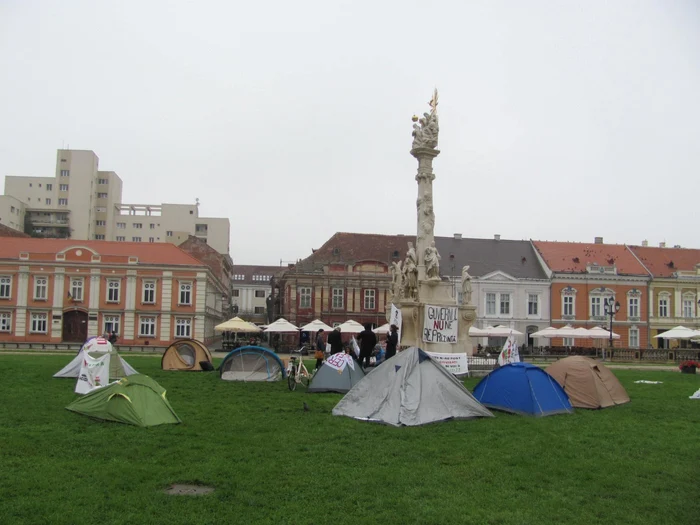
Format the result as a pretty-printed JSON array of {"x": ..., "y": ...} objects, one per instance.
[
  {"x": 392, "y": 341},
  {"x": 367, "y": 340},
  {"x": 320, "y": 349},
  {"x": 335, "y": 341}
]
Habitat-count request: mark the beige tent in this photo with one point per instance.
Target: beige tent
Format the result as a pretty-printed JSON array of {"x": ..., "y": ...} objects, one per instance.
[
  {"x": 588, "y": 383},
  {"x": 237, "y": 325},
  {"x": 185, "y": 354}
]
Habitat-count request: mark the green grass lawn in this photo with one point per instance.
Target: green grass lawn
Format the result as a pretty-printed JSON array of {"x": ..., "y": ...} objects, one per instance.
[{"x": 273, "y": 463}]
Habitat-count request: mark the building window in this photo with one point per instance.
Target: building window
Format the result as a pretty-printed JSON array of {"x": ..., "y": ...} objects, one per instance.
[
  {"x": 568, "y": 341},
  {"x": 100, "y": 209},
  {"x": 48, "y": 201},
  {"x": 138, "y": 225},
  {"x": 5, "y": 321},
  {"x": 338, "y": 298},
  {"x": 595, "y": 307},
  {"x": 235, "y": 293},
  {"x": 149, "y": 292},
  {"x": 121, "y": 238},
  {"x": 633, "y": 307},
  {"x": 136, "y": 239},
  {"x": 369, "y": 300},
  {"x": 41, "y": 285},
  {"x": 505, "y": 304},
  {"x": 113, "y": 288},
  {"x": 304, "y": 297},
  {"x": 533, "y": 304},
  {"x": 568, "y": 305},
  {"x": 121, "y": 225},
  {"x": 183, "y": 327},
  {"x": 5, "y": 287},
  {"x": 63, "y": 202},
  {"x": 38, "y": 325},
  {"x": 185, "y": 293},
  {"x": 688, "y": 306},
  {"x": 76, "y": 289},
  {"x": 168, "y": 234},
  {"x": 239, "y": 277},
  {"x": 100, "y": 223},
  {"x": 147, "y": 327},
  {"x": 663, "y": 306},
  {"x": 102, "y": 181},
  {"x": 259, "y": 309},
  {"x": 490, "y": 304},
  {"x": 49, "y": 187},
  {"x": 111, "y": 324},
  {"x": 259, "y": 293},
  {"x": 99, "y": 237},
  {"x": 151, "y": 239},
  {"x": 63, "y": 187},
  {"x": 101, "y": 195},
  {"x": 65, "y": 173},
  {"x": 634, "y": 337}
]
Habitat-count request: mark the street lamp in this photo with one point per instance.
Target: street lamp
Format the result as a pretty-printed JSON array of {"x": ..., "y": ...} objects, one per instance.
[{"x": 611, "y": 308}]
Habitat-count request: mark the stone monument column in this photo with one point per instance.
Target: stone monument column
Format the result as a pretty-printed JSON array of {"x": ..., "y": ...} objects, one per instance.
[{"x": 425, "y": 226}]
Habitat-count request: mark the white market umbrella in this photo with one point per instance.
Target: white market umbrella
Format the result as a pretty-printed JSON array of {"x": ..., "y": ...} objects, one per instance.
[
  {"x": 582, "y": 333},
  {"x": 237, "y": 325},
  {"x": 315, "y": 326},
  {"x": 548, "y": 332},
  {"x": 476, "y": 332},
  {"x": 351, "y": 327},
  {"x": 601, "y": 333},
  {"x": 281, "y": 325},
  {"x": 384, "y": 329},
  {"x": 679, "y": 332},
  {"x": 500, "y": 331},
  {"x": 567, "y": 331}
]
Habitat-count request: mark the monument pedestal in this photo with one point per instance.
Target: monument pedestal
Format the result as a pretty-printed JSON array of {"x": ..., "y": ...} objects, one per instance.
[{"x": 434, "y": 293}]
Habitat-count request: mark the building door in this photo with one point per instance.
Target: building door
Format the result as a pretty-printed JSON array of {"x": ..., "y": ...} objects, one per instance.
[
  {"x": 530, "y": 341},
  {"x": 75, "y": 326}
]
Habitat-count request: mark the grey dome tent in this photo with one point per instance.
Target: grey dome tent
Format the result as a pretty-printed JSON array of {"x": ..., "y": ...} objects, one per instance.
[
  {"x": 328, "y": 379},
  {"x": 251, "y": 363},
  {"x": 410, "y": 389},
  {"x": 96, "y": 346}
]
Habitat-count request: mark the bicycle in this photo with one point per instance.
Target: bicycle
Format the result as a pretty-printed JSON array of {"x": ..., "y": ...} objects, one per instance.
[{"x": 297, "y": 373}]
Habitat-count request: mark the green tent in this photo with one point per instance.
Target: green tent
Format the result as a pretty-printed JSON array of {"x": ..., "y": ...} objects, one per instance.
[{"x": 136, "y": 400}]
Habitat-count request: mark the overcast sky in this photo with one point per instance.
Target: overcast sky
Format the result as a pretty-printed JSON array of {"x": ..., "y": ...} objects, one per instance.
[{"x": 559, "y": 120}]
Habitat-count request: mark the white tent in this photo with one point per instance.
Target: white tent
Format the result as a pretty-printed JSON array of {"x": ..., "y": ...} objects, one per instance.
[
  {"x": 679, "y": 332},
  {"x": 477, "y": 332},
  {"x": 410, "y": 389},
  {"x": 384, "y": 329},
  {"x": 600, "y": 333},
  {"x": 500, "y": 331},
  {"x": 548, "y": 332},
  {"x": 315, "y": 326},
  {"x": 351, "y": 327},
  {"x": 98, "y": 346},
  {"x": 281, "y": 325},
  {"x": 237, "y": 325}
]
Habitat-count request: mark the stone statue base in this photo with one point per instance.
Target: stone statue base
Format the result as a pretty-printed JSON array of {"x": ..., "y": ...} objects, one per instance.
[{"x": 434, "y": 293}]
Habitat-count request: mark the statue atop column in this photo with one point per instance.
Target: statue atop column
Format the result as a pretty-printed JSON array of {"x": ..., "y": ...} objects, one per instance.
[
  {"x": 466, "y": 286},
  {"x": 410, "y": 274},
  {"x": 425, "y": 132},
  {"x": 432, "y": 263},
  {"x": 396, "y": 280}
]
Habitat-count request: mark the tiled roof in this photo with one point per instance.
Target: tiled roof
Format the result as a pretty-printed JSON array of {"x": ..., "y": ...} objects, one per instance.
[
  {"x": 249, "y": 272},
  {"x": 663, "y": 262},
  {"x": 162, "y": 253},
  {"x": 517, "y": 258},
  {"x": 573, "y": 257},
  {"x": 6, "y": 231}
]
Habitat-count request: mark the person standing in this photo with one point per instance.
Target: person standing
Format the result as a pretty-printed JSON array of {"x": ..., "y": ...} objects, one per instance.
[
  {"x": 320, "y": 349},
  {"x": 368, "y": 340},
  {"x": 335, "y": 341},
  {"x": 392, "y": 341}
]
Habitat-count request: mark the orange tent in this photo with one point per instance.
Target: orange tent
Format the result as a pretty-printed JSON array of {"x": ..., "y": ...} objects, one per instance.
[
  {"x": 185, "y": 354},
  {"x": 588, "y": 383}
]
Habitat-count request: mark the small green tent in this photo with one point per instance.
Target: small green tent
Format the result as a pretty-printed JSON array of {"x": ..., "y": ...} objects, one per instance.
[{"x": 135, "y": 400}]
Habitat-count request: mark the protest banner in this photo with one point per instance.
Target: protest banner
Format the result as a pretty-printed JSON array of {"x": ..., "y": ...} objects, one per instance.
[
  {"x": 440, "y": 324},
  {"x": 456, "y": 364}
]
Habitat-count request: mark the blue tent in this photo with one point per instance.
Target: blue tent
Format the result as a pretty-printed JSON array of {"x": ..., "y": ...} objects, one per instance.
[
  {"x": 251, "y": 363},
  {"x": 522, "y": 388}
]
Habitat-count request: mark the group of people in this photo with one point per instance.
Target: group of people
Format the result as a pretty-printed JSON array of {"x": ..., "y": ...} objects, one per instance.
[{"x": 366, "y": 340}]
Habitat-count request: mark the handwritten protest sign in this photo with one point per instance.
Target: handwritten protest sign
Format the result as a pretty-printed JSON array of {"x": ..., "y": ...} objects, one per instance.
[
  {"x": 454, "y": 363},
  {"x": 440, "y": 324}
]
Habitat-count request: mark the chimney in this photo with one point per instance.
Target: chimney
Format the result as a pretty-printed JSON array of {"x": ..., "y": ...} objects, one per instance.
[
  {"x": 497, "y": 237},
  {"x": 676, "y": 245},
  {"x": 662, "y": 245},
  {"x": 645, "y": 243},
  {"x": 458, "y": 236},
  {"x": 599, "y": 240}
]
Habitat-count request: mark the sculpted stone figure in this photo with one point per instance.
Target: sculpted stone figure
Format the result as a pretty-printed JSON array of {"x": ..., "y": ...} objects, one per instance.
[
  {"x": 466, "y": 286},
  {"x": 396, "y": 279},
  {"x": 425, "y": 132},
  {"x": 432, "y": 263},
  {"x": 410, "y": 273}
]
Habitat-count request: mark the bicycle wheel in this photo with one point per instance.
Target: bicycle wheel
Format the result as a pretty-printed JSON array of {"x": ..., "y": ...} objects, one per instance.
[
  {"x": 291, "y": 380},
  {"x": 304, "y": 377}
]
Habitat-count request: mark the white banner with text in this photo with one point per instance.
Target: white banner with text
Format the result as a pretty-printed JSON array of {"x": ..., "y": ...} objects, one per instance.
[
  {"x": 440, "y": 324},
  {"x": 456, "y": 364}
]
